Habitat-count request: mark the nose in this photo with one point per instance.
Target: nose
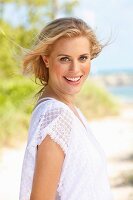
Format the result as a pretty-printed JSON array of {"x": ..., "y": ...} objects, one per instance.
[{"x": 75, "y": 66}]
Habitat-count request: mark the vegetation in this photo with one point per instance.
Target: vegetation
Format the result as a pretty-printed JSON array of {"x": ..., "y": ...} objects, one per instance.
[
  {"x": 96, "y": 102},
  {"x": 17, "y": 100}
]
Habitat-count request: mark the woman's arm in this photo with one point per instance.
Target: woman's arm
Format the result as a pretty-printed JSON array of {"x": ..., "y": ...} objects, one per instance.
[{"x": 49, "y": 161}]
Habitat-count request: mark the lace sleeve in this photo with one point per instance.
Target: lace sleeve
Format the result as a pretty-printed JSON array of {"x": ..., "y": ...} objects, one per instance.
[{"x": 57, "y": 123}]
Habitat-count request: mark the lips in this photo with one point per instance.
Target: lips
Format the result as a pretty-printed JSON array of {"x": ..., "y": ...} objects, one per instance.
[{"x": 73, "y": 79}]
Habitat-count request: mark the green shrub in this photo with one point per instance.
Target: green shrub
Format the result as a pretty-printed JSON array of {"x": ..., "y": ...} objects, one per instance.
[
  {"x": 94, "y": 101},
  {"x": 17, "y": 101}
]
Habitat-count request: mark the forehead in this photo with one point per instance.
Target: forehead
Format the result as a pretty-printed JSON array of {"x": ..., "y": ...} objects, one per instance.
[{"x": 71, "y": 45}]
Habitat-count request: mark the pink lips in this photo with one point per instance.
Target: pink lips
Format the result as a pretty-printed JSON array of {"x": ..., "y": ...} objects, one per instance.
[{"x": 73, "y": 82}]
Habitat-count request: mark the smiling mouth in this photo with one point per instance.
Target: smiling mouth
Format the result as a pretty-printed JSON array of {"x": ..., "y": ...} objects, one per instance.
[{"x": 73, "y": 79}]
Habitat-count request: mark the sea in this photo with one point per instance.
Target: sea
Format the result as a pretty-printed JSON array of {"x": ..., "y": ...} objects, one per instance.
[{"x": 122, "y": 92}]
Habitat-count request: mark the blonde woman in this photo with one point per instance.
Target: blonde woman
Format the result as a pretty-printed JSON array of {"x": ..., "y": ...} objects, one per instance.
[{"x": 63, "y": 160}]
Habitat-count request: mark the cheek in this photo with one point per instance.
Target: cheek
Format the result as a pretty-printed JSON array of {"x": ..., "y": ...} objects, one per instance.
[
  {"x": 87, "y": 68},
  {"x": 57, "y": 69}
]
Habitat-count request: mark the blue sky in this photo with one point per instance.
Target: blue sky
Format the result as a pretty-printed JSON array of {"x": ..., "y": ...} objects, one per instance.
[
  {"x": 111, "y": 17},
  {"x": 108, "y": 18}
]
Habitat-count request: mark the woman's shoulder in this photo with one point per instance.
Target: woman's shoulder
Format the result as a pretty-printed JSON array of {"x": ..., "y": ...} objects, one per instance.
[
  {"x": 54, "y": 118},
  {"x": 51, "y": 106}
]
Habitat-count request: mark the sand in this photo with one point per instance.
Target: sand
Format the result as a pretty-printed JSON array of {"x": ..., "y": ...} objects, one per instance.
[{"x": 115, "y": 135}]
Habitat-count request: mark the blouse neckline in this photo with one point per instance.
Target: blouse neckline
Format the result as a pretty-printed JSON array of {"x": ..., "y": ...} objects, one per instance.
[{"x": 81, "y": 120}]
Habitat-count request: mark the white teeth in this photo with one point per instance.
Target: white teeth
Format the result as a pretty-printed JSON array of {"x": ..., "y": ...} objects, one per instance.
[{"x": 72, "y": 79}]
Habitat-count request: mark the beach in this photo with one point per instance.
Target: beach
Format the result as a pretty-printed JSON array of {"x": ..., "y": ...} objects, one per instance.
[{"x": 114, "y": 133}]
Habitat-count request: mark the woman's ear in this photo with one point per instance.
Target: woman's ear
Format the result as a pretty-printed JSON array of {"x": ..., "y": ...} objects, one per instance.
[{"x": 45, "y": 59}]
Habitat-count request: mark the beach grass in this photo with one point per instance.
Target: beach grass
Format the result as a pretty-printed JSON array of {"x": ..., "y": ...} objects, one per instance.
[
  {"x": 17, "y": 102},
  {"x": 95, "y": 102}
]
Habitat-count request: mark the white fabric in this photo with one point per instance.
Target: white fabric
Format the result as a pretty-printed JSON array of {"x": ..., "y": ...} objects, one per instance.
[{"x": 84, "y": 171}]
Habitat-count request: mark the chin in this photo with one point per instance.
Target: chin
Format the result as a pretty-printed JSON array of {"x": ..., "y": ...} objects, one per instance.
[{"x": 74, "y": 92}]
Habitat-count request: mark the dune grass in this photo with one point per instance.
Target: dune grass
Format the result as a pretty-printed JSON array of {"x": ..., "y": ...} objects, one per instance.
[
  {"x": 16, "y": 104},
  {"x": 96, "y": 102},
  {"x": 17, "y": 101}
]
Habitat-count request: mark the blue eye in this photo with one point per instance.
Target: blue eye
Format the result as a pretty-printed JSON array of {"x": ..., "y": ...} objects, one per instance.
[
  {"x": 65, "y": 59},
  {"x": 83, "y": 58}
]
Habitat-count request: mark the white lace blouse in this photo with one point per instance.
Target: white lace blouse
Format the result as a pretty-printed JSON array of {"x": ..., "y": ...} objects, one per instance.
[{"x": 84, "y": 171}]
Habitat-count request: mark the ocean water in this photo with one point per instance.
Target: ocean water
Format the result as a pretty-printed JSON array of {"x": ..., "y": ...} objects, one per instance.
[
  {"x": 113, "y": 70},
  {"x": 124, "y": 92}
]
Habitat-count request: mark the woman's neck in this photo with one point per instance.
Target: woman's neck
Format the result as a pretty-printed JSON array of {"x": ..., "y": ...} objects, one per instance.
[
  {"x": 67, "y": 99},
  {"x": 63, "y": 98}
]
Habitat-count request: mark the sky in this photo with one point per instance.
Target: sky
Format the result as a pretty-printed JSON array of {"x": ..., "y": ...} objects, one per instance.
[{"x": 111, "y": 19}]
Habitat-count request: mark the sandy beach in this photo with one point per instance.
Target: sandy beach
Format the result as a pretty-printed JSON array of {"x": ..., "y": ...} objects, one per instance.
[{"x": 115, "y": 135}]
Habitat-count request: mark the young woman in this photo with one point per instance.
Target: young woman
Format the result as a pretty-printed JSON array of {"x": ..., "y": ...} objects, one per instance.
[{"x": 63, "y": 160}]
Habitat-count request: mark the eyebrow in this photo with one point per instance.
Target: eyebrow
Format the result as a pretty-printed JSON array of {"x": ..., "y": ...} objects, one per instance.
[{"x": 70, "y": 56}]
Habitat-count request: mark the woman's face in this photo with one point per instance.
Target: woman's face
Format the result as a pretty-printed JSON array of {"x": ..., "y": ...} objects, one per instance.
[{"x": 69, "y": 65}]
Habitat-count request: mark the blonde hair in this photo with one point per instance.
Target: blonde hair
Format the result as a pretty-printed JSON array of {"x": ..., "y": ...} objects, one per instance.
[{"x": 63, "y": 27}]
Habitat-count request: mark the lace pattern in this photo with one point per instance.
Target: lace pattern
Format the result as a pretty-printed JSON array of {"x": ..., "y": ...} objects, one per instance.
[
  {"x": 57, "y": 123},
  {"x": 84, "y": 175}
]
